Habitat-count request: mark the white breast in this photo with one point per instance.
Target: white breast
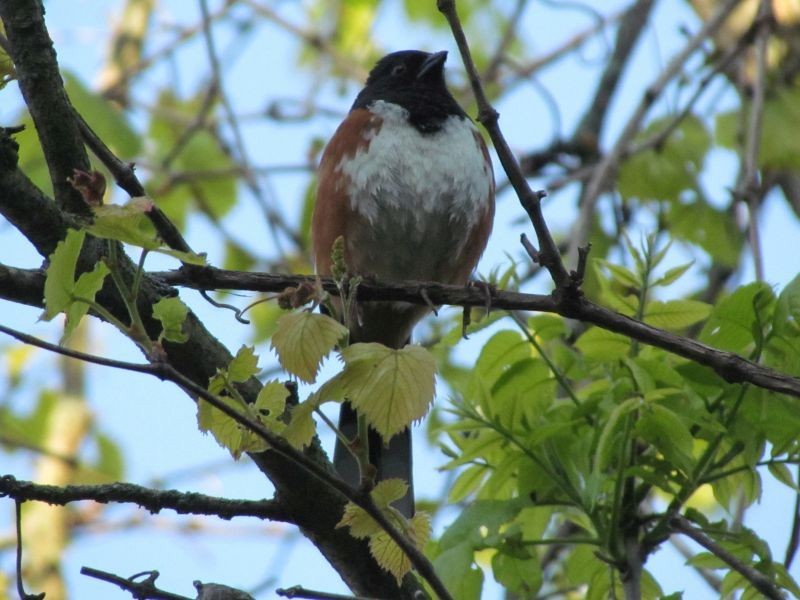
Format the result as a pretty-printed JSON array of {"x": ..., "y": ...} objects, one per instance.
[{"x": 419, "y": 174}]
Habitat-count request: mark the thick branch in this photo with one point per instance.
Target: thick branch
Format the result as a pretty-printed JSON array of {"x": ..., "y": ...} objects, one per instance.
[
  {"x": 183, "y": 503},
  {"x": 37, "y": 71}
]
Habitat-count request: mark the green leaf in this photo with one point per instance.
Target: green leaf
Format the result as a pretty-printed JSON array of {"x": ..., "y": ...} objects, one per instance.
[
  {"x": 301, "y": 428},
  {"x": 391, "y": 388},
  {"x": 522, "y": 576},
  {"x": 672, "y": 275},
  {"x": 675, "y": 314},
  {"x": 783, "y": 346},
  {"x": 303, "y": 339},
  {"x": 606, "y": 446},
  {"x": 172, "y": 313},
  {"x": 504, "y": 348},
  {"x": 730, "y": 325},
  {"x": 86, "y": 289},
  {"x": 662, "y": 174},
  {"x": 228, "y": 433},
  {"x": 621, "y": 275},
  {"x": 60, "y": 282},
  {"x": 460, "y": 577},
  {"x": 663, "y": 429},
  {"x": 481, "y": 518},
  {"x": 781, "y": 113},
  {"x": 388, "y": 554},
  {"x": 110, "y": 459},
  {"x": 108, "y": 122},
  {"x": 783, "y": 474},
  {"x": 270, "y": 404},
  {"x": 387, "y": 491},
  {"x": 467, "y": 482},
  {"x": 243, "y": 366},
  {"x": 713, "y": 230},
  {"x": 128, "y": 223},
  {"x": 602, "y": 345}
]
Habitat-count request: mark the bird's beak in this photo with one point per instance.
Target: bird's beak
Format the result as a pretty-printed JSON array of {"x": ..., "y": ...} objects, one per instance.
[{"x": 434, "y": 61}]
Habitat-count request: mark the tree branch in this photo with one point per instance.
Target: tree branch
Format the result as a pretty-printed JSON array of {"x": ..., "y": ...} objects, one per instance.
[
  {"x": 154, "y": 501},
  {"x": 549, "y": 256},
  {"x": 756, "y": 578},
  {"x": 36, "y": 67},
  {"x": 731, "y": 367}
]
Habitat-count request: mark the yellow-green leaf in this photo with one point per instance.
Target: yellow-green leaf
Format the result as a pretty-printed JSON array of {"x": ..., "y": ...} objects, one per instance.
[
  {"x": 172, "y": 313},
  {"x": 303, "y": 339},
  {"x": 388, "y": 490},
  {"x": 227, "y": 432},
  {"x": 86, "y": 289},
  {"x": 360, "y": 523},
  {"x": 392, "y": 388},
  {"x": 270, "y": 404},
  {"x": 60, "y": 282},
  {"x": 388, "y": 554},
  {"x": 244, "y": 365},
  {"x": 301, "y": 428}
]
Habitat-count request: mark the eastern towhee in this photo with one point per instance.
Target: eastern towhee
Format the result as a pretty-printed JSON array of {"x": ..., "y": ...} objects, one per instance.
[{"x": 407, "y": 182}]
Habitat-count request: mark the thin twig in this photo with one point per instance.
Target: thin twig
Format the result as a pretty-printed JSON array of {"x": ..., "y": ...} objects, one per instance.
[
  {"x": 20, "y": 585},
  {"x": 488, "y": 116},
  {"x": 154, "y": 501},
  {"x": 144, "y": 590},
  {"x": 755, "y": 577},
  {"x": 749, "y": 188},
  {"x": 299, "y": 591}
]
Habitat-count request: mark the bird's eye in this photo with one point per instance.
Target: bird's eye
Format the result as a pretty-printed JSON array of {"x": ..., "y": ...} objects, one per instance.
[{"x": 398, "y": 70}]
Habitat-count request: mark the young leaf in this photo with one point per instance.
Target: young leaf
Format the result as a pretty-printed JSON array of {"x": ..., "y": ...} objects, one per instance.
[
  {"x": 86, "y": 288},
  {"x": 243, "y": 366},
  {"x": 301, "y": 428},
  {"x": 303, "y": 339},
  {"x": 392, "y": 388},
  {"x": 60, "y": 282},
  {"x": 227, "y": 432},
  {"x": 672, "y": 275},
  {"x": 389, "y": 555},
  {"x": 172, "y": 313},
  {"x": 270, "y": 405},
  {"x": 129, "y": 223}
]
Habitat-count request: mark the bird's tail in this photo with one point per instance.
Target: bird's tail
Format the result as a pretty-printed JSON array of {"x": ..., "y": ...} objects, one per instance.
[{"x": 390, "y": 461}]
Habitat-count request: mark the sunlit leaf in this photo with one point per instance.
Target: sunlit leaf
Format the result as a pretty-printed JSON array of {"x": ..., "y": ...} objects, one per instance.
[
  {"x": 391, "y": 388},
  {"x": 172, "y": 313},
  {"x": 303, "y": 339}
]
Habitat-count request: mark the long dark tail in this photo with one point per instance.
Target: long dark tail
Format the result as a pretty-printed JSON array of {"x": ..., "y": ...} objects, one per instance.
[{"x": 391, "y": 461}]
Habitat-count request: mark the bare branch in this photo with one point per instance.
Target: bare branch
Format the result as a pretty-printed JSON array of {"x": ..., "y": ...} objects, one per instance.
[{"x": 154, "y": 501}]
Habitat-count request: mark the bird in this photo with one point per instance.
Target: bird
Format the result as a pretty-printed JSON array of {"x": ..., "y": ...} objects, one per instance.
[{"x": 407, "y": 182}]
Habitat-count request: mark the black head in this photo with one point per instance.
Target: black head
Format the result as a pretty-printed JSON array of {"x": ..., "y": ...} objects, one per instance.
[{"x": 415, "y": 81}]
